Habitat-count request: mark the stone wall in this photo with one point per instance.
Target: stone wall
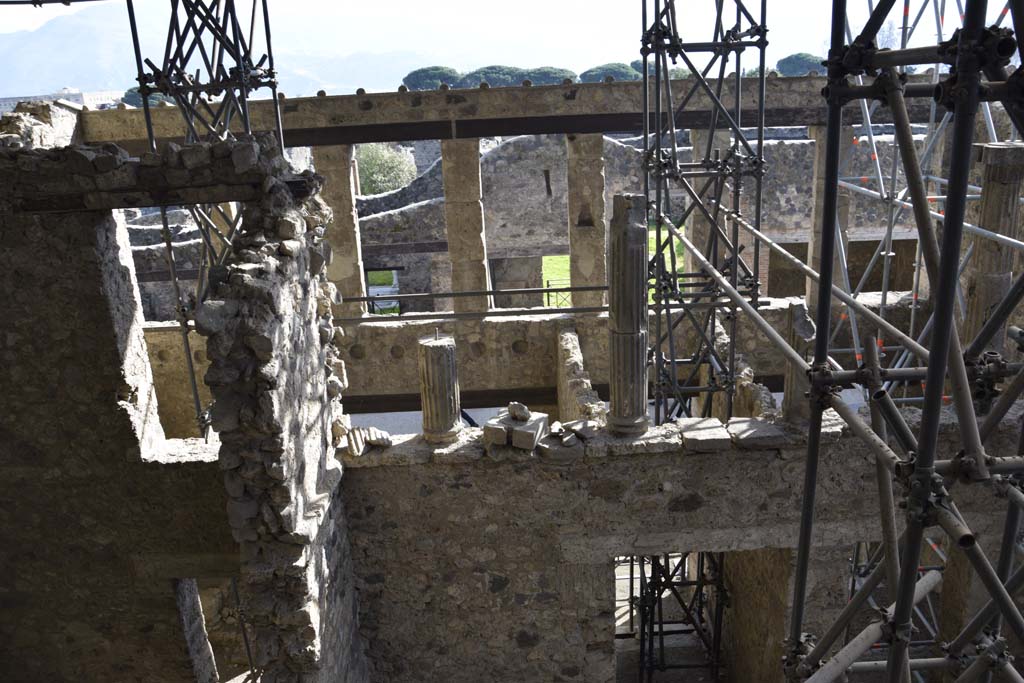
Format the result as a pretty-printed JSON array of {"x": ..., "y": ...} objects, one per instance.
[
  {"x": 276, "y": 381},
  {"x": 524, "y": 186},
  {"x": 524, "y": 591},
  {"x": 519, "y": 352},
  {"x": 37, "y": 125},
  {"x": 171, "y": 384},
  {"x": 100, "y": 516}
]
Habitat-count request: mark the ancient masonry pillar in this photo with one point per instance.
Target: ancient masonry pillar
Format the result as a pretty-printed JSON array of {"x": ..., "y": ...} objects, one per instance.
[
  {"x": 587, "y": 231},
  {"x": 990, "y": 270},
  {"x": 439, "y": 390},
  {"x": 799, "y": 334},
  {"x": 627, "y": 316},
  {"x": 337, "y": 165},
  {"x": 464, "y": 223},
  {"x": 818, "y": 134},
  {"x": 698, "y": 227}
]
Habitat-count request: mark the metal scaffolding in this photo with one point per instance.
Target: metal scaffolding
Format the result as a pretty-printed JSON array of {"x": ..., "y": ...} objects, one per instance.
[
  {"x": 858, "y": 72},
  {"x": 673, "y": 596},
  {"x": 210, "y": 67},
  {"x": 970, "y": 73},
  {"x": 684, "y": 299}
]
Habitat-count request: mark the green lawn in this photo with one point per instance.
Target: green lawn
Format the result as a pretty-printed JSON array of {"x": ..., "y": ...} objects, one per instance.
[
  {"x": 381, "y": 278},
  {"x": 555, "y": 269}
]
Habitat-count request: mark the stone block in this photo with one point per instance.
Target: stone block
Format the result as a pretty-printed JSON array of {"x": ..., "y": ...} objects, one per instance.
[
  {"x": 749, "y": 432},
  {"x": 495, "y": 432},
  {"x": 704, "y": 434},
  {"x": 464, "y": 222},
  {"x": 245, "y": 156},
  {"x": 504, "y": 430},
  {"x": 460, "y": 168},
  {"x": 584, "y": 145},
  {"x": 195, "y": 156},
  {"x": 527, "y": 435},
  {"x": 469, "y": 275}
]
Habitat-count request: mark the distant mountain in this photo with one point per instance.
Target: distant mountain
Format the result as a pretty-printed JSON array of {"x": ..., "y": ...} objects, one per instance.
[{"x": 92, "y": 50}]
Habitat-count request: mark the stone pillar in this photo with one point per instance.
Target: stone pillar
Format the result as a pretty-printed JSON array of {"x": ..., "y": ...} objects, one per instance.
[
  {"x": 818, "y": 134},
  {"x": 698, "y": 228},
  {"x": 990, "y": 270},
  {"x": 627, "y": 317},
  {"x": 464, "y": 223},
  {"x": 796, "y": 408},
  {"x": 336, "y": 164},
  {"x": 587, "y": 229},
  {"x": 521, "y": 272},
  {"x": 439, "y": 390}
]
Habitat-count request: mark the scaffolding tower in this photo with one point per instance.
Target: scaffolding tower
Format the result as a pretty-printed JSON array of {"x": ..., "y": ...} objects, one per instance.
[
  {"x": 704, "y": 196},
  {"x": 727, "y": 163},
  {"x": 908, "y": 464}
]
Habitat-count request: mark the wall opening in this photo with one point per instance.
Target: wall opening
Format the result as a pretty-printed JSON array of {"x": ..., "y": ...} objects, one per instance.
[{"x": 669, "y": 613}]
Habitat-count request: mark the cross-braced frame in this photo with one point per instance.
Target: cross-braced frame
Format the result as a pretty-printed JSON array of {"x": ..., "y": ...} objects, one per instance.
[
  {"x": 924, "y": 482},
  {"x": 725, "y": 163},
  {"x": 209, "y": 68}
]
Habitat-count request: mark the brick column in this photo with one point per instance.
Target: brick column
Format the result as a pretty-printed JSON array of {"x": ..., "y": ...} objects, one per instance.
[
  {"x": 818, "y": 133},
  {"x": 587, "y": 227},
  {"x": 464, "y": 223},
  {"x": 337, "y": 165},
  {"x": 990, "y": 270}
]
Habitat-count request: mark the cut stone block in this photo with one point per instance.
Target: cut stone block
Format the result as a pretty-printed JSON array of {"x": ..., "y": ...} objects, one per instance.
[
  {"x": 503, "y": 430},
  {"x": 527, "y": 434},
  {"x": 495, "y": 432},
  {"x": 748, "y": 432},
  {"x": 704, "y": 434}
]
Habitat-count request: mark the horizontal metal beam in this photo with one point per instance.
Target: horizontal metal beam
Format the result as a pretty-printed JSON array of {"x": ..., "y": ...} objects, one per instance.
[{"x": 480, "y": 398}]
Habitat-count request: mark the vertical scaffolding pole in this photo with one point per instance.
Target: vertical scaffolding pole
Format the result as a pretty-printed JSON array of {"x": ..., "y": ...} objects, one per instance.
[
  {"x": 823, "y": 319},
  {"x": 920, "y": 500}
]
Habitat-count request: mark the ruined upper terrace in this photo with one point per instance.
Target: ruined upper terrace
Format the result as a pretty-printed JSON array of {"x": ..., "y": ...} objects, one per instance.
[{"x": 486, "y": 112}]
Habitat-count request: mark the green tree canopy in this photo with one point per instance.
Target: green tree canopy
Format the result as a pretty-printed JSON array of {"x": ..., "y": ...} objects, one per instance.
[
  {"x": 496, "y": 75},
  {"x": 133, "y": 98},
  {"x": 430, "y": 78},
  {"x": 800, "y": 64},
  {"x": 617, "y": 70},
  {"x": 549, "y": 75},
  {"x": 383, "y": 168},
  {"x": 638, "y": 66}
]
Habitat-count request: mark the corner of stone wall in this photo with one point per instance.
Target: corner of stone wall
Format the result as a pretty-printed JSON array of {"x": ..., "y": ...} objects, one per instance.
[{"x": 277, "y": 380}]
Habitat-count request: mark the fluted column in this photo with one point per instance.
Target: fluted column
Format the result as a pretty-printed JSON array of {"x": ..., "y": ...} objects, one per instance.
[
  {"x": 439, "y": 389},
  {"x": 627, "y": 316}
]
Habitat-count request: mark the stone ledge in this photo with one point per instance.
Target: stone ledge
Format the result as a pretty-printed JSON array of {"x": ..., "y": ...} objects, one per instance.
[{"x": 84, "y": 178}]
